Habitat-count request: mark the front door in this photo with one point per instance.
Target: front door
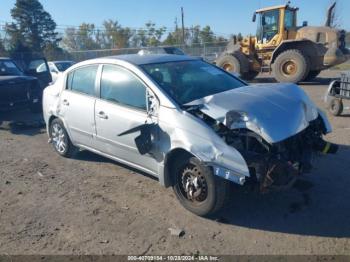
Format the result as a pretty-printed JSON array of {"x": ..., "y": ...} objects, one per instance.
[
  {"x": 122, "y": 107},
  {"x": 77, "y": 104}
]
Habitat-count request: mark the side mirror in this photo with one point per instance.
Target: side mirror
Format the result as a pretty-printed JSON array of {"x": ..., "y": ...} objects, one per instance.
[
  {"x": 305, "y": 23},
  {"x": 254, "y": 18}
]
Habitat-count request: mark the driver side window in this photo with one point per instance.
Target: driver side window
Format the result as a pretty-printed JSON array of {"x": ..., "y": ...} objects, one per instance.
[{"x": 120, "y": 86}]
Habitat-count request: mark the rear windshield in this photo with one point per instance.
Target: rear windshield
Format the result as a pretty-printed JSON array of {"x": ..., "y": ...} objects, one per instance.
[{"x": 9, "y": 68}]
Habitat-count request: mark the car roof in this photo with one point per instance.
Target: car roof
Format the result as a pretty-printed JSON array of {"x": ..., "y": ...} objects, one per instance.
[{"x": 152, "y": 58}]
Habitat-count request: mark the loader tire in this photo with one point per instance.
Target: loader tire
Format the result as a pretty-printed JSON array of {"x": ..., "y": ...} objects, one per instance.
[
  {"x": 229, "y": 63},
  {"x": 291, "y": 66}
]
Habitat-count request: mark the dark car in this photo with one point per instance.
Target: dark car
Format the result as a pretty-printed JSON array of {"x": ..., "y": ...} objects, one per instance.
[{"x": 22, "y": 87}]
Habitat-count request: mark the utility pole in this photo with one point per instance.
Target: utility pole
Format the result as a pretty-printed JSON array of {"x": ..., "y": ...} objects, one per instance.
[{"x": 183, "y": 26}]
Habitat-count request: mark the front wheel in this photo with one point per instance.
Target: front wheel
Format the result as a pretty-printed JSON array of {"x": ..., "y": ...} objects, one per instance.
[
  {"x": 198, "y": 189},
  {"x": 60, "y": 139},
  {"x": 291, "y": 66}
]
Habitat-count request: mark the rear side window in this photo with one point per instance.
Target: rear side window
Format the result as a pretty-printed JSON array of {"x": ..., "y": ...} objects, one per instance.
[
  {"x": 82, "y": 80},
  {"x": 121, "y": 86}
]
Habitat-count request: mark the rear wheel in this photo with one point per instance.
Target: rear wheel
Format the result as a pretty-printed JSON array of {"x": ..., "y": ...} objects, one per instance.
[
  {"x": 291, "y": 66},
  {"x": 60, "y": 139},
  {"x": 197, "y": 188},
  {"x": 336, "y": 106}
]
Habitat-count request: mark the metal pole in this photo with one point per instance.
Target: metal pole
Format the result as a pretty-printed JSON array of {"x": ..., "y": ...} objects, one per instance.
[{"x": 183, "y": 26}]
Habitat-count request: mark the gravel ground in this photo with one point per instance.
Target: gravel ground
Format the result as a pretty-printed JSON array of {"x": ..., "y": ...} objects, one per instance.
[{"x": 91, "y": 205}]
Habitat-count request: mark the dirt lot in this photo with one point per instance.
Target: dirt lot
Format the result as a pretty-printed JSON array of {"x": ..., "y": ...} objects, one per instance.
[{"x": 91, "y": 205}]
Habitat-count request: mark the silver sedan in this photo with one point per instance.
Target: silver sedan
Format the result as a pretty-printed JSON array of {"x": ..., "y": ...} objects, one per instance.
[{"x": 192, "y": 125}]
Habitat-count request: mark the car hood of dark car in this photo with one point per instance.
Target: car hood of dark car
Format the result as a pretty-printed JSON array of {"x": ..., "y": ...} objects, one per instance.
[
  {"x": 274, "y": 111},
  {"x": 15, "y": 79}
]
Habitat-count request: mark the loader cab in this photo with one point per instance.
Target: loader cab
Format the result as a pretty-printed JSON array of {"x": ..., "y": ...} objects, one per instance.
[{"x": 275, "y": 24}]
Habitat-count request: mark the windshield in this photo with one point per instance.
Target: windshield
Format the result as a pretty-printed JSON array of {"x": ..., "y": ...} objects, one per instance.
[
  {"x": 9, "y": 68},
  {"x": 63, "y": 66},
  {"x": 187, "y": 81}
]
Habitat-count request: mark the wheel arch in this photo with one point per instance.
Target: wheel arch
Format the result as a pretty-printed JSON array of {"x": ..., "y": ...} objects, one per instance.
[
  {"x": 306, "y": 47},
  {"x": 169, "y": 161},
  {"x": 53, "y": 117}
]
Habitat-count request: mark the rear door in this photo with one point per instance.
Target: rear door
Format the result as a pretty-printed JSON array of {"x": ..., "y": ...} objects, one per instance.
[{"x": 77, "y": 104}]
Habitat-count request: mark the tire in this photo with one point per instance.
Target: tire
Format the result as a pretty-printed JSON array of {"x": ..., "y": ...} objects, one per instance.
[
  {"x": 312, "y": 75},
  {"x": 229, "y": 63},
  {"x": 213, "y": 190},
  {"x": 58, "y": 131},
  {"x": 291, "y": 66},
  {"x": 336, "y": 106}
]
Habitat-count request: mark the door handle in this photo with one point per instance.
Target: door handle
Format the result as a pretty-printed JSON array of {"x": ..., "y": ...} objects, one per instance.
[
  {"x": 102, "y": 115},
  {"x": 65, "y": 102}
]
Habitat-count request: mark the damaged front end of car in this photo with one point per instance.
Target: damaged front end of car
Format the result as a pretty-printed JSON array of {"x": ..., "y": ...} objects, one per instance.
[{"x": 274, "y": 161}]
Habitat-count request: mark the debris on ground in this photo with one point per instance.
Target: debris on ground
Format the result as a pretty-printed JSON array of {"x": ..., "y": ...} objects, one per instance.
[{"x": 177, "y": 232}]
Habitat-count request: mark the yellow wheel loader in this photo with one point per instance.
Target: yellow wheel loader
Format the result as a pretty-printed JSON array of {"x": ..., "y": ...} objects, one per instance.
[{"x": 290, "y": 53}]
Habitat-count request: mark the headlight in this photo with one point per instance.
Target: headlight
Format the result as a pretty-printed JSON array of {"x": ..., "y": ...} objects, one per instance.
[{"x": 236, "y": 119}]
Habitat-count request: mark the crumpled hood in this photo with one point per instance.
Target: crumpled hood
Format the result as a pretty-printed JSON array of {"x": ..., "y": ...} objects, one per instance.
[{"x": 274, "y": 111}]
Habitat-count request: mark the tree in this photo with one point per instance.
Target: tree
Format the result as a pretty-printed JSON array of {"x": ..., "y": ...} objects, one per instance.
[
  {"x": 206, "y": 35},
  {"x": 154, "y": 34},
  {"x": 52, "y": 52},
  {"x": 33, "y": 28},
  {"x": 70, "y": 39},
  {"x": 116, "y": 36},
  {"x": 2, "y": 48},
  {"x": 195, "y": 34},
  {"x": 170, "y": 40},
  {"x": 82, "y": 38}
]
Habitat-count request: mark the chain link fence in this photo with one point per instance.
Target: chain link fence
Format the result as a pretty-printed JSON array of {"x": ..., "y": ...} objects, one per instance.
[{"x": 208, "y": 51}]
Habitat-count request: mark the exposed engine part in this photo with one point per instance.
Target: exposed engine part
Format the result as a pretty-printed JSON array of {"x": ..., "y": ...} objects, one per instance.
[{"x": 274, "y": 166}]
